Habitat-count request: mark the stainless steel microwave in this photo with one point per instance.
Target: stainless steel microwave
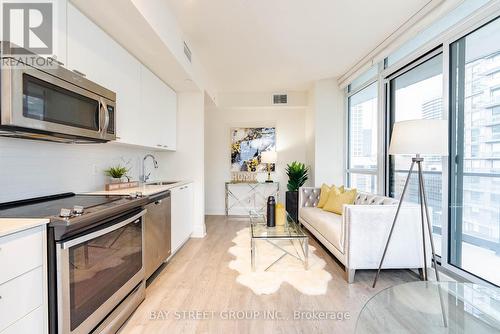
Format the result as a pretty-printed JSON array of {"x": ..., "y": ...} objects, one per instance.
[{"x": 54, "y": 104}]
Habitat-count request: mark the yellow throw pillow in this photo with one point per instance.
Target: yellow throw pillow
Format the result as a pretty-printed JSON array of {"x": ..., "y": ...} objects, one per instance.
[
  {"x": 323, "y": 195},
  {"x": 337, "y": 199}
]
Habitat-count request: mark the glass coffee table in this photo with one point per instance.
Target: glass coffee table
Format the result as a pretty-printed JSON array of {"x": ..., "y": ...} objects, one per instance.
[
  {"x": 291, "y": 231},
  {"x": 416, "y": 308}
]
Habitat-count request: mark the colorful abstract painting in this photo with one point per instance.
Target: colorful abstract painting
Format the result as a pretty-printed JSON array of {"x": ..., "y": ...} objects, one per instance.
[{"x": 247, "y": 144}]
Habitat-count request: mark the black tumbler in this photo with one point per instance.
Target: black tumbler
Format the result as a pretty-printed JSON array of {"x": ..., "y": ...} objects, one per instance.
[{"x": 271, "y": 211}]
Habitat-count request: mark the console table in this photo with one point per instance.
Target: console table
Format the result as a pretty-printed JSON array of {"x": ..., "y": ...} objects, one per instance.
[{"x": 242, "y": 197}]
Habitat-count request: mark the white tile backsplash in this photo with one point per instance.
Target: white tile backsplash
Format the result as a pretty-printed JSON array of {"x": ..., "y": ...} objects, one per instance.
[{"x": 34, "y": 168}]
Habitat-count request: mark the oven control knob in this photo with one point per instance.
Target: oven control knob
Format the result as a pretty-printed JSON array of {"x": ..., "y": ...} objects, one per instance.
[
  {"x": 78, "y": 210},
  {"x": 65, "y": 213}
]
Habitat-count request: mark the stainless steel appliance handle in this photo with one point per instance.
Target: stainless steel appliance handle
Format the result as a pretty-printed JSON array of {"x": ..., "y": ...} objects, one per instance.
[
  {"x": 105, "y": 113},
  {"x": 108, "y": 229}
]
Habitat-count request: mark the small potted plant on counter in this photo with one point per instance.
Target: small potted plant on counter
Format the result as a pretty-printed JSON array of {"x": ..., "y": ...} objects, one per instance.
[
  {"x": 297, "y": 175},
  {"x": 116, "y": 173}
]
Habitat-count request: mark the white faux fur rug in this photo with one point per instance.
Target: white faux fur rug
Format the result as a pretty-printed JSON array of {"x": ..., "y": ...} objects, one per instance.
[{"x": 289, "y": 269}]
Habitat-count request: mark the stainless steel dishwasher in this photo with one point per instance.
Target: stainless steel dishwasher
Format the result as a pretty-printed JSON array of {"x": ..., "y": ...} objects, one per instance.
[{"x": 157, "y": 241}]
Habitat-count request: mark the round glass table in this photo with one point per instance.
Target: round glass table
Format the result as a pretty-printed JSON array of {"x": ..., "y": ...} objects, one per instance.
[{"x": 432, "y": 307}]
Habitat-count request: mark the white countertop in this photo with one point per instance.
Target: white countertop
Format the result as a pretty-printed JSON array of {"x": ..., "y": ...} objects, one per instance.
[
  {"x": 13, "y": 225},
  {"x": 146, "y": 190}
]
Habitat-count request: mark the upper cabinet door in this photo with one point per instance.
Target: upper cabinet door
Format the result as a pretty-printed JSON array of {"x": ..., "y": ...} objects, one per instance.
[
  {"x": 169, "y": 118},
  {"x": 159, "y": 104},
  {"x": 60, "y": 31}
]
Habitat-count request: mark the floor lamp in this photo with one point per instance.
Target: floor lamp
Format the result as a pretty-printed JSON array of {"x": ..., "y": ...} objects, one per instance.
[{"x": 417, "y": 137}]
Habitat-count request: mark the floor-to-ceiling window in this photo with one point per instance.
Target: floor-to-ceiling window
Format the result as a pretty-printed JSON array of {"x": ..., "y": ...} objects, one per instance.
[
  {"x": 416, "y": 93},
  {"x": 474, "y": 243},
  {"x": 362, "y": 120},
  {"x": 464, "y": 189}
]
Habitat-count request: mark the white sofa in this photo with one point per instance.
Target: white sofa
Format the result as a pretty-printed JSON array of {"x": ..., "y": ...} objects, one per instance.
[{"x": 357, "y": 237}]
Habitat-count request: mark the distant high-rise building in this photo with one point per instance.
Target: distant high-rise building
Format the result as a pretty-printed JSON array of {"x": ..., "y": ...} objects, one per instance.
[{"x": 433, "y": 109}]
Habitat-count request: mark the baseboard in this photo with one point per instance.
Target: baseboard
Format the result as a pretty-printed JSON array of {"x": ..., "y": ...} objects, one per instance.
[
  {"x": 199, "y": 232},
  {"x": 215, "y": 212}
]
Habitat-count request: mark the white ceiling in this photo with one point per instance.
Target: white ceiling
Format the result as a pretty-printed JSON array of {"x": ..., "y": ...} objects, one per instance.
[{"x": 273, "y": 45}]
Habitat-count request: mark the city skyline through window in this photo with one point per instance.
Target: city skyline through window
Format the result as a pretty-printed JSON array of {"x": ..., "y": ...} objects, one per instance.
[
  {"x": 363, "y": 139},
  {"x": 475, "y": 169}
]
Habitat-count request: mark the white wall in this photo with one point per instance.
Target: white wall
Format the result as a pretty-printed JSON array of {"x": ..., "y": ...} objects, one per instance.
[
  {"x": 34, "y": 168},
  {"x": 188, "y": 161},
  {"x": 310, "y": 137},
  {"x": 327, "y": 108},
  {"x": 290, "y": 145}
]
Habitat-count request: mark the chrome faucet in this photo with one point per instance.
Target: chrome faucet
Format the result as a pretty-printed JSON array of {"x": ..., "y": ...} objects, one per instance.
[{"x": 145, "y": 177}]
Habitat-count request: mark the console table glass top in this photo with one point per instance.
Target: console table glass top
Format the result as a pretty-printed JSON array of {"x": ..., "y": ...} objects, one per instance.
[{"x": 415, "y": 308}]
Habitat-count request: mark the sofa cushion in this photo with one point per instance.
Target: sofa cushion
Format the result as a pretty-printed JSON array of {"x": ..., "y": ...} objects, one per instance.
[
  {"x": 323, "y": 196},
  {"x": 336, "y": 200},
  {"x": 328, "y": 224},
  {"x": 371, "y": 199}
]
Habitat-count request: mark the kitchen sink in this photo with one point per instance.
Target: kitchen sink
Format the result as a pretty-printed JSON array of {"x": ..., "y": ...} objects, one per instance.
[{"x": 161, "y": 183}]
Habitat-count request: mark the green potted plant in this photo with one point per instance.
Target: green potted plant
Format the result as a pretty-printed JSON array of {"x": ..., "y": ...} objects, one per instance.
[
  {"x": 297, "y": 175},
  {"x": 116, "y": 173}
]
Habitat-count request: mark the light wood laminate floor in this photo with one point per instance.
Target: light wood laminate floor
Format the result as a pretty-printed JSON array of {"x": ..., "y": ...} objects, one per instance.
[{"x": 198, "y": 279}]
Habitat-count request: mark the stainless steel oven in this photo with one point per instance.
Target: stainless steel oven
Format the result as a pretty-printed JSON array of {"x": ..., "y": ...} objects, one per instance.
[
  {"x": 97, "y": 271},
  {"x": 54, "y": 104}
]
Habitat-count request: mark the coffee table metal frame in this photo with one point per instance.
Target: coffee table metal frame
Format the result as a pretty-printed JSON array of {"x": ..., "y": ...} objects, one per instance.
[{"x": 291, "y": 231}]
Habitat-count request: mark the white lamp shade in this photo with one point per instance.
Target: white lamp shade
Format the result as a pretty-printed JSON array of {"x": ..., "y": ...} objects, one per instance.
[
  {"x": 268, "y": 157},
  {"x": 422, "y": 136}
]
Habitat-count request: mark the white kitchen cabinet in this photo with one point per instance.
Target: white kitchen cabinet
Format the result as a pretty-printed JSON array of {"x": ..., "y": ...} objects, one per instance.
[
  {"x": 60, "y": 31},
  {"x": 29, "y": 324},
  {"x": 159, "y": 103},
  {"x": 182, "y": 215},
  {"x": 23, "y": 283},
  {"x": 169, "y": 118},
  {"x": 146, "y": 107}
]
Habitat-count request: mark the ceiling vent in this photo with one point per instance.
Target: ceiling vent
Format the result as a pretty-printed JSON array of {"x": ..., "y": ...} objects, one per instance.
[
  {"x": 280, "y": 99},
  {"x": 187, "y": 52}
]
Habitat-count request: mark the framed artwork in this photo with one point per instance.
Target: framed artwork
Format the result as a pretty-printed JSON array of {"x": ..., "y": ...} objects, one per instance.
[{"x": 247, "y": 144}]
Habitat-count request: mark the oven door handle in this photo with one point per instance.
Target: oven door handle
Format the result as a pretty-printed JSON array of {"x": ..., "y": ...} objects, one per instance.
[{"x": 97, "y": 234}]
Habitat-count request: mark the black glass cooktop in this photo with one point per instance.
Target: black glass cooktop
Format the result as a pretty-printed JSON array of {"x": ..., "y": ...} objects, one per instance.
[{"x": 47, "y": 206}]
